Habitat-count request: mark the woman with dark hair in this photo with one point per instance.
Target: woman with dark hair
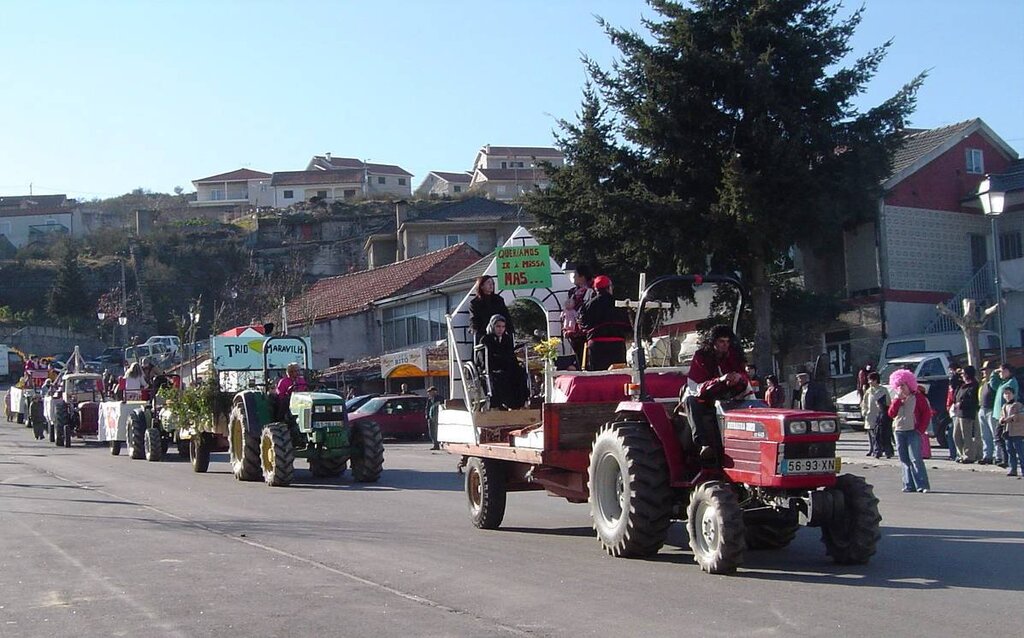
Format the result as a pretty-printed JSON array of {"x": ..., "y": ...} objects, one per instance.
[
  {"x": 508, "y": 380},
  {"x": 774, "y": 395},
  {"x": 485, "y": 305},
  {"x": 579, "y": 294}
]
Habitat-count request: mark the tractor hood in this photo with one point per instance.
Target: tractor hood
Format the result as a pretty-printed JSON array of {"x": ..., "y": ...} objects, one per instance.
[{"x": 309, "y": 399}]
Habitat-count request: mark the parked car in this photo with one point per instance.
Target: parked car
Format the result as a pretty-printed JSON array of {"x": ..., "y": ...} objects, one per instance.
[
  {"x": 399, "y": 416},
  {"x": 357, "y": 402},
  {"x": 931, "y": 370},
  {"x": 950, "y": 342},
  {"x": 110, "y": 360},
  {"x": 172, "y": 343},
  {"x": 158, "y": 352}
]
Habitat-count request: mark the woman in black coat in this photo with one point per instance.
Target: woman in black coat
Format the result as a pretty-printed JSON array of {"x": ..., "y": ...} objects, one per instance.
[
  {"x": 485, "y": 305},
  {"x": 508, "y": 378}
]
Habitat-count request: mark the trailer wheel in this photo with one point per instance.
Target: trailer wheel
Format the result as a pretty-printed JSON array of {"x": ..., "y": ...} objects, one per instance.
[
  {"x": 277, "y": 455},
  {"x": 327, "y": 467},
  {"x": 715, "y": 525},
  {"x": 770, "y": 536},
  {"x": 154, "y": 445},
  {"x": 244, "y": 447},
  {"x": 367, "y": 452},
  {"x": 630, "y": 498},
  {"x": 485, "y": 490},
  {"x": 199, "y": 452},
  {"x": 115, "y": 448},
  {"x": 137, "y": 435},
  {"x": 851, "y": 538}
]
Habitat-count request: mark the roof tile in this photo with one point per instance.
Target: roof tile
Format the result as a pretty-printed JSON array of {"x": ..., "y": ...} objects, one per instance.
[{"x": 239, "y": 175}]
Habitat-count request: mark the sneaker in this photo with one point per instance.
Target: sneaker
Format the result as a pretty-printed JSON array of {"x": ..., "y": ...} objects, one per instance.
[
  {"x": 907, "y": 490},
  {"x": 1002, "y": 464},
  {"x": 967, "y": 461},
  {"x": 985, "y": 462},
  {"x": 923, "y": 490},
  {"x": 1012, "y": 473}
]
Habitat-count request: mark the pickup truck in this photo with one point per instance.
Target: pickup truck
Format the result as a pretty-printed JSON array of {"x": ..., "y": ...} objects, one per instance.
[{"x": 931, "y": 370}]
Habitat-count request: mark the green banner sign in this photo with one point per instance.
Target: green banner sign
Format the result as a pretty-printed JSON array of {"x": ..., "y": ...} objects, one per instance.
[{"x": 523, "y": 267}]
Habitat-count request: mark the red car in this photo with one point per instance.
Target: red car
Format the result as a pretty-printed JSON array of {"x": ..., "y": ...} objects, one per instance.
[{"x": 399, "y": 416}]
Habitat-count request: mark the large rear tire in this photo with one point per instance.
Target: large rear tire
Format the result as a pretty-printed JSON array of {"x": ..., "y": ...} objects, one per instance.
[
  {"x": 486, "y": 492},
  {"x": 367, "y": 452},
  {"x": 327, "y": 467},
  {"x": 714, "y": 522},
  {"x": 137, "y": 427},
  {"x": 244, "y": 447},
  {"x": 630, "y": 498},
  {"x": 277, "y": 455},
  {"x": 851, "y": 538},
  {"x": 154, "y": 445},
  {"x": 199, "y": 452}
]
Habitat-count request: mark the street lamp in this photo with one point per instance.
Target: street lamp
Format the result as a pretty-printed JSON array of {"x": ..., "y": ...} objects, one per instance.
[
  {"x": 123, "y": 321},
  {"x": 993, "y": 199},
  {"x": 100, "y": 315}
]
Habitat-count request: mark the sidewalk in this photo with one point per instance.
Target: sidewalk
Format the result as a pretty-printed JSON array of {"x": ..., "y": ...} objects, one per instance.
[{"x": 853, "y": 448}]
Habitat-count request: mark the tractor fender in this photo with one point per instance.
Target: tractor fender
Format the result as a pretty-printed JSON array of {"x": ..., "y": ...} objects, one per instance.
[
  {"x": 659, "y": 420},
  {"x": 145, "y": 415},
  {"x": 256, "y": 408}
]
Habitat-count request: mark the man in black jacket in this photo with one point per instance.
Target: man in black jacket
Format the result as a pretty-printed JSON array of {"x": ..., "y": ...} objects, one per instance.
[
  {"x": 605, "y": 326},
  {"x": 813, "y": 395},
  {"x": 965, "y": 411}
]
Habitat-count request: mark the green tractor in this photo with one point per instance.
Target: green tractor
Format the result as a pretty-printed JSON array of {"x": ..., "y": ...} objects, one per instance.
[{"x": 265, "y": 436}]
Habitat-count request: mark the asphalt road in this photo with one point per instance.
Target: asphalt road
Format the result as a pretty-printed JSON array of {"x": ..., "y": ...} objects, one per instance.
[{"x": 97, "y": 545}]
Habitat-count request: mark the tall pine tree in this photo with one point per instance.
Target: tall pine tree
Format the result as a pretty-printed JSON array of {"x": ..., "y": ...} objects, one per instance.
[
  {"x": 67, "y": 299},
  {"x": 727, "y": 133}
]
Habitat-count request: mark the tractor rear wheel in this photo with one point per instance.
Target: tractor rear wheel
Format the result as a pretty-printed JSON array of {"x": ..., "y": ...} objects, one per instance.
[
  {"x": 154, "y": 445},
  {"x": 630, "y": 498},
  {"x": 485, "y": 489},
  {"x": 199, "y": 452},
  {"x": 277, "y": 455},
  {"x": 715, "y": 525},
  {"x": 851, "y": 538},
  {"x": 244, "y": 447},
  {"x": 115, "y": 448},
  {"x": 367, "y": 452},
  {"x": 137, "y": 435},
  {"x": 327, "y": 467},
  {"x": 770, "y": 535}
]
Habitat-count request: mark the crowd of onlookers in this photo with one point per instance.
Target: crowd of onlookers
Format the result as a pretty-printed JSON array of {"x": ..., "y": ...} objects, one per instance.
[{"x": 985, "y": 425}]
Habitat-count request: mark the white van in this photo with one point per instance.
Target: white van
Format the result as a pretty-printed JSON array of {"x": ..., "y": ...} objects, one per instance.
[
  {"x": 172, "y": 343},
  {"x": 950, "y": 342}
]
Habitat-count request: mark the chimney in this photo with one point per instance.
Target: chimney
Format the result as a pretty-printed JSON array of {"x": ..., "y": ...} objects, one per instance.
[
  {"x": 401, "y": 213},
  {"x": 327, "y": 156}
]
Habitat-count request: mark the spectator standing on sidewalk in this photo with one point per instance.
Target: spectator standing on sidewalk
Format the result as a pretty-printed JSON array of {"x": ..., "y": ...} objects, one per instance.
[
  {"x": 1013, "y": 420},
  {"x": 874, "y": 408},
  {"x": 965, "y": 411},
  {"x": 1003, "y": 379},
  {"x": 986, "y": 401},
  {"x": 908, "y": 440},
  {"x": 955, "y": 381},
  {"x": 433, "y": 406},
  {"x": 774, "y": 395}
]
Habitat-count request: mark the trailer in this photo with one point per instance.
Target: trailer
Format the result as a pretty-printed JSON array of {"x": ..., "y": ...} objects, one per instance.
[{"x": 18, "y": 400}]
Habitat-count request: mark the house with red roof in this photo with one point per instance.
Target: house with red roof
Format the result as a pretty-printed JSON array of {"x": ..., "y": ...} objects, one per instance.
[
  {"x": 509, "y": 172},
  {"x": 227, "y": 192},
  {"x": 339, "y": 313},
  {"x": 929, "y": 242},
  {"x": 444, "y": 184}
]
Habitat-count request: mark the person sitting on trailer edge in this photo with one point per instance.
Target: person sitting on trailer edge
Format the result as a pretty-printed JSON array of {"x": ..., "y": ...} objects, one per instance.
[
  {"x": 508, "y": 378},
  {"x": 716, "y": 374},
  {"x": 605, "y": 326}
]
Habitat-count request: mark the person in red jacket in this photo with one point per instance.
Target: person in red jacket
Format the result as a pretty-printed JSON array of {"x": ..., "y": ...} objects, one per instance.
[{"x": 718, "y": 373}]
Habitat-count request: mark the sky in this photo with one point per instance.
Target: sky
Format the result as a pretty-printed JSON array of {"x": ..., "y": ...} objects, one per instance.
[{"x": 100, "y": 97}]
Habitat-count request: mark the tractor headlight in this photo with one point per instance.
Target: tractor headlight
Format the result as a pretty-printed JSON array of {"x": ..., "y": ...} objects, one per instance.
[
  {"x": 797, "y": 427},
  {"x": 825, "y": 426},
  {"x": 320, "y": 409}
]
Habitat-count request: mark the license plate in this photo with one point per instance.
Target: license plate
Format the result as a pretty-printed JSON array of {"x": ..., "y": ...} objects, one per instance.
[{"x": 811, "y": 466}]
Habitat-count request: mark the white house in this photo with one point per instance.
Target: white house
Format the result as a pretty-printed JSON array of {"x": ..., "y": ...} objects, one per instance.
[
  {"x": 242, "y": 188},
  {"x": 27, "y": 218},
  {"x": 444, "y": 184},
  {"x": 509, "y": 172},
  {"x": 376, "y": 179}
]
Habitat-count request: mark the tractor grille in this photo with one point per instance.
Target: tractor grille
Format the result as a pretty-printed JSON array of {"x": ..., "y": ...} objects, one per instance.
[
  {"x": 809, "y": 450},
  {"x": 336, "y": 439},
  {"x": 329, "y": 417}
]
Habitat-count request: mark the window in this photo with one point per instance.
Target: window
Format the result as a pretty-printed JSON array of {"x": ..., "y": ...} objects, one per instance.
[
  {"x": 975, "y": 161},
  {"x": 413, "y": 324},
  {"x": 837, "y": 346},
  {"x": 381, "y": 180},
  {"x": 979, "y": 251},
  {"x": 321, "y": 194},
  {"x": 216, "y": 194},
  {"x": 288, "y": 194},
  {"x": 500, "y": 189},
  {"x": 900, "y": 348},
  {"x": 504, "y": 164},
  {"x": 457, "y": 189},
  {"x": 931, "y": 368},
  {"x": 401, "y": 181},
  {"x": 350, "y": 192},
  {"x": 437, "y": 242},
  {"x": 1010, "y": 246}
]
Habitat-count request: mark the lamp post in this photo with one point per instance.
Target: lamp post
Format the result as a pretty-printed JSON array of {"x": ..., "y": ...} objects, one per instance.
[
  {"x": 100, "y": 315},
  {"x": 993, "y": 199},
  {"x": 123, "y": 321}
]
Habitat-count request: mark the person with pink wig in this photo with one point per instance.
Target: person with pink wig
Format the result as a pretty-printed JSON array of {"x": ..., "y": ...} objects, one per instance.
[{"x": 908, "y": 439}]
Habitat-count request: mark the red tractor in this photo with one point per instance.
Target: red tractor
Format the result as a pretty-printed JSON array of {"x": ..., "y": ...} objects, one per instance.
[{"x": 776, "y": 471}]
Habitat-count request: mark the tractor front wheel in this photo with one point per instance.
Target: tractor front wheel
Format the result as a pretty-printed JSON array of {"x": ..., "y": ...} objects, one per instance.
[
  {"x": 244, "y": 447},
  {"x": 277, "y": 455},
  {"x": 715, "y": 525},
  {"x": 137, "y": 435},
  {"x": 115, "y": 448},
  {"x": 367, "y": 452},
  {"x": 154, "y": 445},
  {"x": 630, "y": 497},
  {"x": 199, "y": 452},
  {"x": 852, "y": 536},
  {"x": 485, "y": 490},
  {"x": 327, "y": 467}
]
